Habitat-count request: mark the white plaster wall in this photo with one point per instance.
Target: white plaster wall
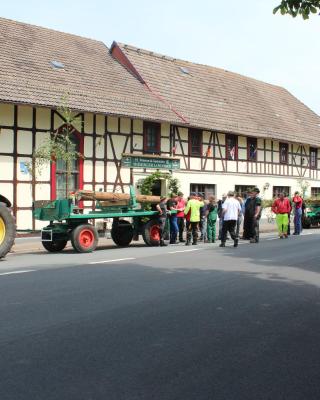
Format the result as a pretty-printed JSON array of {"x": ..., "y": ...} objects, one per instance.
[
  {"x": 24, "y": 143},
  {"x": 99, "y": 171},
  {"x": 24, "y": 219},
  {"x": 137, "y": 142},
  {"x": 6, "y": 189},
  {"x": 6, "y": 169},
  {"x": 42, "y": 191},
  {"x": 6, "y": 140},
  {"x": 6, "y": 114},
  {"x": 137, "y": 126},
  {"x": 24, "y": 195},
  {"x": 25, "y": 116},
  {"x": 165, "y": 144},
  {"x": 183, "y": 133},
  {"x": 111, "y": 172},
  {"x": 165, "y": 129},
  {"x": 87, "y": 171},
  {"x": 195, "y": 163},
  {"x": 100, "y": 147},
  {"x": 112, "y": 124},
  {"x": 125, "y": 125},
  {"x": 100, "y": 124},
  {"x": 88, "y": 123},
  {"x": 43, "y": 118},
  {"x": 88, "y": 146}
]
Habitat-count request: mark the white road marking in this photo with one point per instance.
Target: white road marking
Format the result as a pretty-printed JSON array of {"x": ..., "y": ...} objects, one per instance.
[
  {"x": 17, "y": 272},
  {"x": 109, "y": 261},
  {"x": 182, "y": 251}
]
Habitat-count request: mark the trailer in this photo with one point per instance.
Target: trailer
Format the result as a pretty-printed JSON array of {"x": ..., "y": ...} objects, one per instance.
[{"x": 68, "y": 221}]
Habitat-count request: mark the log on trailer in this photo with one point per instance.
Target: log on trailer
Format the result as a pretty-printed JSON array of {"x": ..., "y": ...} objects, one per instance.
[{"x": 115, "y": 197}]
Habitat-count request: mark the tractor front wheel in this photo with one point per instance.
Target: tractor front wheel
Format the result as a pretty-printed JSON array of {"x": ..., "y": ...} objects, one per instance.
[
  {"x": 7, "y": 230},
  {"x": 84, "y": 238}
]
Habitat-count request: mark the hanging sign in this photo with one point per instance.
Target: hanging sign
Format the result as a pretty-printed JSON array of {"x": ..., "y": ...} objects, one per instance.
[{"x": 152, "y": 162}]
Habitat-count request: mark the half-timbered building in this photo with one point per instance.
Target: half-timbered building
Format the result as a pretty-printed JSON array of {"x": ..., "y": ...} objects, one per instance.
[
  {"x": 138, "y": 111},
  {"x": 235, "y": 132}
]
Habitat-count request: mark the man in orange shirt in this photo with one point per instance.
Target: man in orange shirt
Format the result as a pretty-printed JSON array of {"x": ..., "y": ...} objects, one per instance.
[{"x": 282, "y": 207}]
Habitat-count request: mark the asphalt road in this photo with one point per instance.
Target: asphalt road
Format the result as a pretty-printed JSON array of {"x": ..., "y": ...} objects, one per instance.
[{"x": 196, "y": 323}]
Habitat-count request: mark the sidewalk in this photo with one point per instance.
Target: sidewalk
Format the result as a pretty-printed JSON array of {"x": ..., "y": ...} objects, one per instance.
[{"x": 31, "y": 243}]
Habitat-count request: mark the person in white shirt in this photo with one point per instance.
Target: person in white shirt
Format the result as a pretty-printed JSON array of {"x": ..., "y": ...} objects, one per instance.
[{"x": 230, "y": 210}]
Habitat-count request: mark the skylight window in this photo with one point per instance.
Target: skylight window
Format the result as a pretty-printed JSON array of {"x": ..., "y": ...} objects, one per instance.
[
  {"x": 184, "y": 70},
  {"x": 57, "y": 64}
]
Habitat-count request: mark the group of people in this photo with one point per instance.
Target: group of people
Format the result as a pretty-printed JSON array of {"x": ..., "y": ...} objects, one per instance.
[
  {"x": 198, "y": 216},
  {"x": 283, "y": 208}
]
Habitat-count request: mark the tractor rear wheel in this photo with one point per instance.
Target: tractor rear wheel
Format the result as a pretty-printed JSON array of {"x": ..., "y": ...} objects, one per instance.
[
  {"x": 7, "y": 230},
  {"x": 122, "y": 233},
  {"x": 55, "y": 246},
  {"x": 84, "y": 238}
]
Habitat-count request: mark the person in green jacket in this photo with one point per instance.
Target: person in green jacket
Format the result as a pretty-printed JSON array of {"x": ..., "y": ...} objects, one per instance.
[
  {"x": 194, "y": 206},
  {"x": 212, "y": 213}
]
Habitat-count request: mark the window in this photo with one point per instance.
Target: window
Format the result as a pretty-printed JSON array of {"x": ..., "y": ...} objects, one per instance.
[
  {"x": 281, "y": 189},
  {"x": 283, "y": 153},
  {"x": 242, "y": 190},
  {"x": 62, "y": 181},
  {"x": 252, "y": 149},
  {"x": 315, "y": 192},
  {"x": 205, "y": 190},
  {"x": 232, "y": 147},
  {"x": 313, "y": 157},
  {"x": 195, "y": 142},
  {"x": 151, "y": 137}
]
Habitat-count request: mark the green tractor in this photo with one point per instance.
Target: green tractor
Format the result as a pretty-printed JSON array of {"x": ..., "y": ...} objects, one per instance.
[
  {"x": 7, "y": 226},
  {"x": 311, "y": 216}
]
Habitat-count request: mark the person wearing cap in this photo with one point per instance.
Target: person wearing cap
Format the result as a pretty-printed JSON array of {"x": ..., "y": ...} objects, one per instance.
[
  {"x": 181, "y": 204},
  {"x": 172, "y": 206},
  {"x": 252, "y": 215},
  {"x": 297, "y": 201},
  {"x": 193, "y": 206},
  {"x": 230, "y": 210},
  {"x": 163, "y": 212}
]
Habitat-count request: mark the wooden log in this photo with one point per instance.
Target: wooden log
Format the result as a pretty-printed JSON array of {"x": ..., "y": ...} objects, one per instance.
[{"x": 114, "y": 197}]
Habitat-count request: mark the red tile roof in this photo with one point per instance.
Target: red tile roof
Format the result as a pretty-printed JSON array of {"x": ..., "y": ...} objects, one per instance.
[
  {"x": 94, "y": 81},
  {"x": 220, "y": 100}
]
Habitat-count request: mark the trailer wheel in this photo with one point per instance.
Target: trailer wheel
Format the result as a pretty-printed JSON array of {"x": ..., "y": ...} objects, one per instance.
[
  {"x": 306, "y": 223},
  {"x": 122, "y": 233},
  {"x": 151, "y": 233},
  {"x": 7, "y": 230},
  {"x": 84, "y": 238},
  {"x": 55, "y": 246}
]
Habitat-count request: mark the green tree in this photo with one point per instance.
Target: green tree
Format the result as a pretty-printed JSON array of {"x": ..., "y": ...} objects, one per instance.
[{"x": 298, "y": 7}]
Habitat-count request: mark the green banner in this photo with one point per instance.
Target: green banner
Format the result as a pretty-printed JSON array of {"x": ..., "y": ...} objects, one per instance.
[{"x": 133, "y": 161}]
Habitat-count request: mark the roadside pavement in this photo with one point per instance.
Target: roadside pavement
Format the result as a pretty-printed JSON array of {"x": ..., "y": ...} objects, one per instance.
[{"x": 32, "y": 243}]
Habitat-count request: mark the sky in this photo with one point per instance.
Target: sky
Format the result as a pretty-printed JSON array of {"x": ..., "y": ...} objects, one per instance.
[{"x": 242, "y": 36}]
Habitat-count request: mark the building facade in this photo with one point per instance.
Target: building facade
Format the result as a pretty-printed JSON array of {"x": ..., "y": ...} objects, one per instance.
[{"x": 227, "y": 131}]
